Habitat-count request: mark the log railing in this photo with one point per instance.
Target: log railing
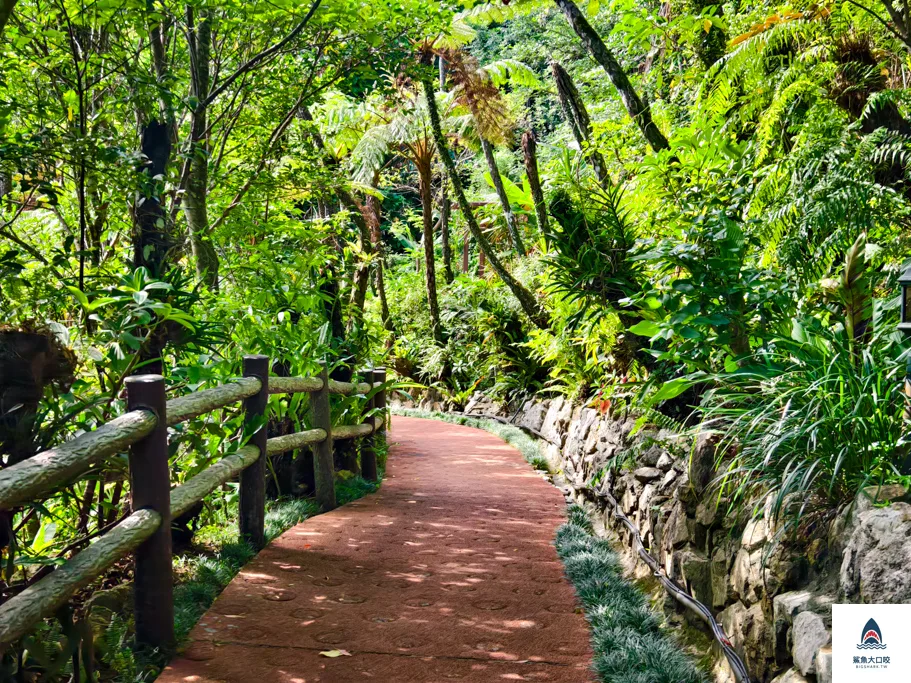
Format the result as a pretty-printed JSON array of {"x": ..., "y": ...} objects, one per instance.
[{"x": 146, "y": 532}]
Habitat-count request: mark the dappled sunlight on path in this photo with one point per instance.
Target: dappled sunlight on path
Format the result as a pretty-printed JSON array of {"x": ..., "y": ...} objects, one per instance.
[{"x": 448, "y": 573}]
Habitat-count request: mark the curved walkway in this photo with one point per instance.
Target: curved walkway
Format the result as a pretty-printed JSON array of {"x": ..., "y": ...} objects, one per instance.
[{"x": 448, "y": 573}]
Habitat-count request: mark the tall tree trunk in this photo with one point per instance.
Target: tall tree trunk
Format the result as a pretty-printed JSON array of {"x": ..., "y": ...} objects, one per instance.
[
  {"x": 444, "y": 202},
  {"x": 384, "y": 303},
  {"x": 466, "y": 252},
  {"x": 151, "y": 234},
  {"x": 6, "y": 11},
  {"x": 361, "y": 280},
  {"x": 445, "y": 211},
  {"x": 373, "y": 216},
  {"x": 577, "y": 117},
  {"x": 196, "y": 196},
  {"x": 530, "y": 305},
  {"x": 530, "y": 154},
  {"x": 514, "y": 235},
  {"x": 638, "y": 110},
  {"x": 425, "y": 175}
]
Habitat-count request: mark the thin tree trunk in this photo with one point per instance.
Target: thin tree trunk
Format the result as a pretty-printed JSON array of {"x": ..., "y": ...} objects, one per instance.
[
  {"x": 6, "y": 11},
  {"x": 466, "y": 252},
  {"x": 577, "y": 117},
  {"x": 195, "y": 198},
  {"x": 504, "y": 200},
  {"x": 530, "y": 305},
  {"x": 430, "y": 278},
  {"x": 381, "y": 293},
  {"x": 445, "y": 210},
  {"x": 374, "y": 219},
  {"x": 530, "y": 153},
  {"x": 196, "y": 195},
  {"x": 444, "y": 202},
  {"x": 85, "y": 510},
  {"x": 638, "y": 110}
]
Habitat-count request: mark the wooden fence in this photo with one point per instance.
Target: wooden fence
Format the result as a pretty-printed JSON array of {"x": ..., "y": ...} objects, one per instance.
[{"x": 146, "y": 532}]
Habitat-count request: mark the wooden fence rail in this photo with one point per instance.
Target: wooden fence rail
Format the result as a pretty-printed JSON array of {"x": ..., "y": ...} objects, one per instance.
[{"x": 146, "y": 532}]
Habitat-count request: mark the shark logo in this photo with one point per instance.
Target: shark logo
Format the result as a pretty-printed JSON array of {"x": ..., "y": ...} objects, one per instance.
[{"x": 872, "y": 638}]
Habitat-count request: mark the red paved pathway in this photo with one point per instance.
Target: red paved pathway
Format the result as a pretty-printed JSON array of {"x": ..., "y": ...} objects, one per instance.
[{"x": 448, "y": 573}]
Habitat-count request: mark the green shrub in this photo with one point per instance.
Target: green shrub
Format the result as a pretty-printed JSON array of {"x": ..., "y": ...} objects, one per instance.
[{"x": 811, "y": 419}]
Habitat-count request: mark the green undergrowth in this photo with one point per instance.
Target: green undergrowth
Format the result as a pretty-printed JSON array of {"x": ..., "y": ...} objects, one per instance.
[
  {"x": 529, "y": 447},
  {"x": 629, "y": 643}
]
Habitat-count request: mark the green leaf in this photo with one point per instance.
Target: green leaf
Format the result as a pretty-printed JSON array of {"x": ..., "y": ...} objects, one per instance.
[
  {"x": 80, "y": 296},
  {"x": 645, "y": 328},
  {"x": 671, "y": 390}
]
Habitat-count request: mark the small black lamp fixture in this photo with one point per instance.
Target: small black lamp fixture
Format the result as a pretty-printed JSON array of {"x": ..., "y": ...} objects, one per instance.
[{"x": 904, "y": 326}]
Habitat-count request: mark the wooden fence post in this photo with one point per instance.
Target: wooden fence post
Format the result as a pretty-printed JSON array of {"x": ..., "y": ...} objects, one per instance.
[
  {"x": 368, "y": 450},
  {"x": 379, "y": 375},
  {"x": 150, "y": 487},
  {"x": 323, "y": 465},
  {"x": 252, "y": 505}
]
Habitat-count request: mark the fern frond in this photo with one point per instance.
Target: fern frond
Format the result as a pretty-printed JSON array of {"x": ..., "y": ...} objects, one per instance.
[
  {"x": 370, "y": 152},
  {"x": 511, "y": 71},
  {"x": 460, "y": 34},
  {"x": 496, "y": 12}
]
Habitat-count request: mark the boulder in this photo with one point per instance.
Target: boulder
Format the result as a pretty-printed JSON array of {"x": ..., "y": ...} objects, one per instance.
[
  {"x": 808, "y": 634},
  {"x": 702, "y": 461},
  {"x": 755, "y": 534},
  {"x": 788, "y": 605},
  {"x": 556, "y": 420},
  {"x": 746, "y": 578},
  {"x": 695, "y": 570},
  {"x": 645, "y": 500},
  {"x": 706, "y": 512},
  {"x": 668, "y": 480},
  {"x": 593, "y": 442},
  {"x": 577, "y": 435},
  {"x": 748, "y": 629},
  {"x": 104, "y": 605},
  {"x": 824, "y": 665},
  {"x": 874, "y": 568},
  {"x": 676, "y": 531},
  {"x": 790, "y": 676},
  {"x": 650, "y": 456},
  {"x": 784, "y": 608},
  {"x": 868, "y": 498},
  {"x": 646, "y": 474},
  {"x": 665, "y": 462},
  {"x": 533, "y": 413}
]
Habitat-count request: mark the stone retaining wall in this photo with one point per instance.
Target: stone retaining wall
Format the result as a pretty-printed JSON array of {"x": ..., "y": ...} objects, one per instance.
[{"x": 773, "y": 598}]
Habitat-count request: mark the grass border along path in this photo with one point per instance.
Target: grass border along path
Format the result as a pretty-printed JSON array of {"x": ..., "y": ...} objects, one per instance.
[{"x": 628, "y": 639}]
